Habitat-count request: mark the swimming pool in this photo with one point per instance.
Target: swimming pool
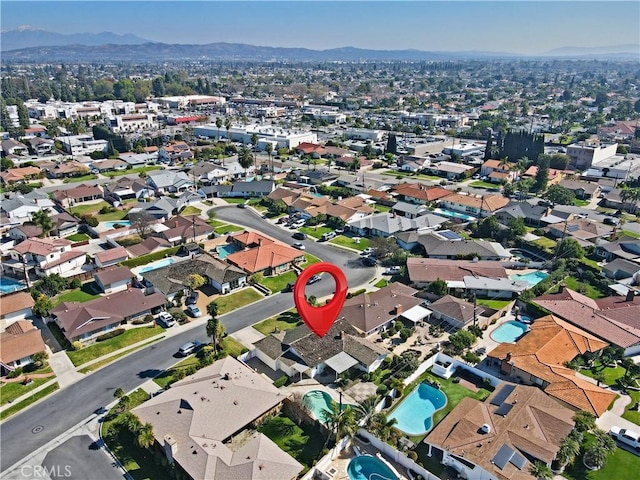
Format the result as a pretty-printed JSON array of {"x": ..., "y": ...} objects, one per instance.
[
  {"x": 159, "y": 264},
  {"x": 110, "y": 225},
  {"x": 8, "y": 285},
  {"x": 509, "y": 332},
  {"x": 225, "y": 250},
  {"x": 414, "y": 415},
  {"x": 532, "y": 278},
  {"x": 366, "y": 467},
  {"x": 452, "y": 214},
  {"x": 317, "y": 401}
]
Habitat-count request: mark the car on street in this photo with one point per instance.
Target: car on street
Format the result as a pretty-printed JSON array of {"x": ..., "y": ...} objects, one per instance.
[
  {"x": 367, "y": 251},
  {"x": 610, "y": 221},
  {"x": 300, "y": 236},
  {"x": 166, "y": 319},
  {"x": 298, "y": 245},
  {"x": 476, "y": 177},
  {"x": 328, "y": 236},
  {"x": 314, "y": 279},
  {"x": 369, "y": 261},
  {"x": 194, "y": 311},
  {"x": 192, "y": 299},
  {"x": 623, "y": 435},
  {"x": 282, "y": 220},
  {"x": 188, "y": 348},
  {"x": 290, "y": 286},
  {"x": 242, "y": 205},
  {"x": 395, "y": 270}
]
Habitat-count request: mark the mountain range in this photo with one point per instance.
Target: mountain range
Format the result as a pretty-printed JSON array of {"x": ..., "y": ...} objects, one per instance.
[{"x": 28, "y": 44}]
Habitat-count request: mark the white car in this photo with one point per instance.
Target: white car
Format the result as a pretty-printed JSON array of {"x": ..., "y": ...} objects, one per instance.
[
  {"x": 395, "y": 270},
  {"x": 367, "y": 251},
  {"x": 298, "y": 245},
  {"x": 625, "y": 436},
  {"x": 166, "y": 319}
]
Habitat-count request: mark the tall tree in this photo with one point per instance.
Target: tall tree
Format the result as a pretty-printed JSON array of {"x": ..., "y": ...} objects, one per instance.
[
  {"x": 219, "y": 126},
  {"x": 42, "y": 219},
  {"x": 542, "y": 175},
  {"x": 215, "y": 329},
  {"x": 245, "y": 159},
  {"x": 392, "y": 144},
  {"x": 269, "y": 149},
  {"x": 227, "y": 126},
  {"x": 145, "y": 436}
]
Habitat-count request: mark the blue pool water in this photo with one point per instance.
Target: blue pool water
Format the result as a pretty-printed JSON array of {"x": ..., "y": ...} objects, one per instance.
[
  {"x": 317, "y": 401},
  {"x": 8, "y": 285},
  {"x": 366, "y": 467},
  {"x": 154, "y": 266},
  {"x": 509, "y": 332},
  {"x": 452, "y": 214},
  {"x": 110, "y": 225},
  {"x": 532, "y": 278},
  {"x": 414, "y": 415},
  {"x": 225, "y": 250}
]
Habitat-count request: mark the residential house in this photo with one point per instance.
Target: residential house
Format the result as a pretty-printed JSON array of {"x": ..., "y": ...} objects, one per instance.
[
  {"x": 20, "y": 208},
  {"x": 64, "y": 169},
  {"x": 110, "y": 165},
  {"x": 373, "y": 312},
  {"x": 196, "y": 421},
  {"x": 44, "y": 256},
  {"x": 613, "y": 200},
  {"x": 85, "y": 321},
  {"x": 585, "y": 231},
  {"x": 24, "y": 231},
  {"x": 14, "y": 307},
  {"x": 175, "y": 152},
  {"x": 181, "y": 229},
  {"x": 539, "y": 358},
  {"x": 111, "y": 256},
  {"x": 212, "y": 174},
  {"x": 443, "y": 245},
  {"x": 554, "y": 175},
  {"x": 149, "y": 156},
  {"x": 350, "y": 163},
  {"x": 125, "y": 189},
  {"x": 257, "y": 188},
  {"x": 619, "y": 269},
  {"x": 498, "y": 171},
  {"x": 311, "y": 149},
  {"x": 18, "y": 343},
  {"x": 419, "y": 193},
  {"x": 301, "y": 352},
  {"x": 149, "y": 245},
  {"x": 41, "y": 146},
  {"x": 83, "y": 144},
  {"x": 113, "y": 279},
  {"x": 501, "y": 437},
  {"x": 413, "y": 164},
  {"x": 620, "y": 130},
  {"x": 387, "y": 224},
  {"x": 624, "y": 247},
  {"x": 267, "y": 257},
  {"x": 76, "y": 195},
  {"x": 171, "y": 279},
  {"x": 582, "y": 190},
  {"x": 450, "y": 170},
  {"x": 409, "y": 210},
  {"x": 612, "y": 319},
  {"x": 423, "y": 271},
  {"x": 64, "y": 224},
  {"x": 163, "y": 181},
  {"x": 476, "y": 206},
  {"x": 20, "y": 174},
  {"x": 456, "y": 312},
  {"x": 161, "y": 208},
  {"x": 14, "y": 148},
  {"x": 380, "y": 197},
  {"x": 530, "y": 214}
]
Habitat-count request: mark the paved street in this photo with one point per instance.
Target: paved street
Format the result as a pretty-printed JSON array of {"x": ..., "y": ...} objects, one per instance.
[{"x": 66, "y": 408}]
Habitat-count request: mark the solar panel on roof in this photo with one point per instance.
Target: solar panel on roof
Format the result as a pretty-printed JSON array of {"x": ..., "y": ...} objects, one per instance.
[
  {"x": 502, "y": 395},
  {"x": 449, "y": 235},
  {"x": 518, "y": 460},
  {"x": 503, "y": 456},
  {"x": 504, "y": 409}
]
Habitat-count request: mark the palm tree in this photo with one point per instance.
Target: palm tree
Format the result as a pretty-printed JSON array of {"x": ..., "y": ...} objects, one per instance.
[
  {"x": 43, "y": 220},
  {"x": 569, "y": 450},
  {"x": 219, "y": 125},
  {"x": 130, "y": 421},
  {"x": 145, "y": 436},
  {"x": 367, "y": 409},
  {"x": 340, "y": 422},
  {"x": 227, "y": 125},
  {"x": 631, "y": 196},
  {"x": 269, "y": 149},
  {"x": 245, "y": 159},
  {"x": 383, "y": 426},
  {"x": 215, "y": 329},
  {"x": 584, "y": 421},
  {"x": 541, "y": 471}
]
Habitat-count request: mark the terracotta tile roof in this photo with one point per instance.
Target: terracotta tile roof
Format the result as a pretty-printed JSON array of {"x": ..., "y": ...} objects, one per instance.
[
  {"x": 421, "y": 192},
  {"x": 41, "y": 246},
  {"x": 16, "y": 174},
  {"x": 249, "y": 238},
  {"x": 534, "y": 428},
  {"x": 21, "y": 339},
  {"x": 270, "y": 255},
  {"x": 15, "y": 302},
  {"x": 497, "y": 164}
]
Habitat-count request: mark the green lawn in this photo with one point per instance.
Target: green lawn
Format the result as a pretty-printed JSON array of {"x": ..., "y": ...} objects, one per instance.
[
  {"x": 621, "y": 465},
  {"x": 12, "y": 390},
  {"x": 397, "y": 173},
  {"x": 152, "y": 257},
  {"x": 82, "y": 178},
  {"x": 315, "y": 232},
  {"x": 113, "y": 216},
  {"x": 382, "y": 208},
  {"x": 302, "y": 443},
  {"x": 632, "y": 415},
  {"x": 216, "y": 223},
  {"x": 80, "y": 210},
  {"x": 381, "y": 283},
  {"x": 487, "y": 185},
  {"x": 191, "y": 210},
  {"x": 495, "y": 304},
  {"x": 611, "y": 374},
  {"x": 276, "y": 284},
  {"x": 132, "y": 171},
  {"x": 310, "y": 259},
  {"x": 100, "y": 349},
  {"x": 78, "y": 237},
  {"x": 630, "y": 234},
  {"x": 78, "y": 295},
  {"x": 545, "y": 243},
  {"x": 233, "y": 301},
  {"x": 228, "y": 228},
  {"x": 232, "y": 346},
  {"x": 113, "y": 358},
  {"x": 166, "y": 377},
  {"x": 580, "y": 203},
  {"x": 235, "y": 201},
  {"x": 350, "y": 242},
  {"x": 28, "y": 401},
  {"x": 285, "y": 321},
  {"x": 590, "y": 291}
]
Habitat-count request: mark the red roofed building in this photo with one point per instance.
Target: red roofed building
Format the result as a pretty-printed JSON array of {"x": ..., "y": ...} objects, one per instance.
[
  {"x": 312, "y": 149},
  {"x": 419, "y": 193},
  {"x": 263, "y": 254}
]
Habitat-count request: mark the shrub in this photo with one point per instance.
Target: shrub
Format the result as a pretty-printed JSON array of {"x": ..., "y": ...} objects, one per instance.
[
  {"x": 405, "y": 333},
  {"x": 356, "y": 293},
  {"x": 77, "y": 345},
  {"x": 15, "y": 373},
  {"x": 91, "y": 221},
  {"x": 75, "y": 283},
  {"x": 382, "y": 389},
  {"x": 471, "y": 357},
  {"x": 148, "y": 319},
  {"x": 138, "y": 321},
  {"x": 111, "y": 334},
  {"x": 412, "y": 455},
  {"x": 281, "y": 381}
]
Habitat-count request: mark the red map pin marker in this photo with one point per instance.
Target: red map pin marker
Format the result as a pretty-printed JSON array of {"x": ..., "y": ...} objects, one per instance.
[{"x": 320, "y": 319}]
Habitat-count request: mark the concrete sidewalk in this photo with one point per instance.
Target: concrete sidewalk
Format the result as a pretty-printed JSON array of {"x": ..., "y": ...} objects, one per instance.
[{"x": 64, "y": 369}]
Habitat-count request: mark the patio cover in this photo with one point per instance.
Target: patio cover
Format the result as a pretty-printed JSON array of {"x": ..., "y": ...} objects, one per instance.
[
  {"x": 416, "y": 314},
  {"x": 341, "y": 362},
  {"x": 300, "y": 368}
]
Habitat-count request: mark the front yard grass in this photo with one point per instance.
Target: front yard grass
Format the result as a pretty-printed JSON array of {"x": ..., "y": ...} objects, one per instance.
[
  {"x": 486, "y": 185},
  {"x": 166, "y": 377},
  {"x": 28, "y": 401},
  {"x": 621, "y": 465},
  {"x": 310, "y": 259},
  {"x": 580, "y": 203},
  {"x": 235, "y": 201},
  {"x": 316, "y": 231},
  {"x": 629, "y": 233},
  {"x": 611, "y": 374},
  {"x": 284, "y": 321},
  {"x": 96, "y": 365},
  {"x": 381, "y": 283},
  {"x": 130, "y": 171},
  {"x": 350, "y": 242},
  {"x": 276, "y": 284},
  {"x": 99, "y": 349},
  {"x": 304, "y": 443},
  {"x": 12, "y": 390},
  {"x": 546, "y": 244},
  {"x": 82, "y": 178},
  {"x": 629, "y": 414},
  {"x": 191, "y": 210},
  {"x": 232, "y": 301},
  {"x": 228, "y": 228},
  {"x": 78, "y": 237}
]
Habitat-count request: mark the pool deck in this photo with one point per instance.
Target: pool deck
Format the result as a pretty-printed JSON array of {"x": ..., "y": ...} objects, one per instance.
[{"x": 304, "y": 386}]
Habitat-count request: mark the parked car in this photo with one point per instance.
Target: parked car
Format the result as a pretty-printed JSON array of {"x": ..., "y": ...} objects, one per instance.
[
  {"x": 476, "y": 177},
  {"x": 242, "y": 205},
  {"x": 297, "y": 224},
  {"x": 367, "y": 251},
  {"x": 314, "y": 279},
  {"x": 369, "y": 261},
  {"x": 282, "y": 220},
  {"x": 300, "y": 236},
  {"x": 610, "y": 221},
  {"x": 166, "y": 319},
  {"x": 328, "y": 236},
  {"x": 188, "y": 348},
  {"x": 194, "y": 311},
  {"x": 395, "y": 270},
  {"x": 298, "y": 245},
  {"x": 625, "y": 436},
  {"x": 192, "y": 299},
  {"x": 339, "y": 231},
  {"x": 290, "y": 286}
]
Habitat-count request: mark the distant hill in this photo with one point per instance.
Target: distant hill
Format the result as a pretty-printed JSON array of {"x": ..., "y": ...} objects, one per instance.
[
  {"x": 613, "y": 50},
  {"x": 27, "y": 37}
]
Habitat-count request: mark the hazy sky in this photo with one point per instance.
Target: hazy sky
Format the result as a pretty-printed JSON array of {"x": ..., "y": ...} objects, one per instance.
[{"x": 501, "y": 26}]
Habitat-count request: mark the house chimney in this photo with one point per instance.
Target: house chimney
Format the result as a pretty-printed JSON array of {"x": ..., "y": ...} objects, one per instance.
[
  {"x": 630, "y": 295},
  {"x": 399, "y": 309},
  {"x": 508, "y": 358},
  {"x": 170, "y": 447},
  {"x": 561, "y": 288}
]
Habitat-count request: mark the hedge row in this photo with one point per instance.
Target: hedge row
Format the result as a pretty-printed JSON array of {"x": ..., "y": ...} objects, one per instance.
[{"x": 111, "y": 334}]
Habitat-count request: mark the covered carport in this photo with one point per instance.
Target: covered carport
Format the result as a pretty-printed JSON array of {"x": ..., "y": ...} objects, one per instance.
[{"x": 341, "y": 362}]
